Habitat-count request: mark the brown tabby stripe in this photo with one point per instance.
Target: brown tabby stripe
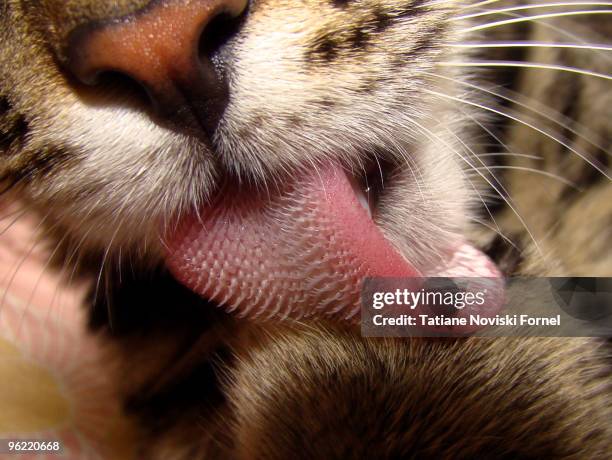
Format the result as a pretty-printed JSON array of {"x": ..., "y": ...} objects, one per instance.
[
  {"x": 327, "y": 47},
  {"x": 13, "y": 126},
  {"x": 589, "y": 176},
  {"x": 426, "y": 40},
  {"x": 5, "y": 106},
  {"x": 134, "y": 308},
  {"x": 571, "y": 111},
  {"x": 37, "y": 164},
  {"x": 507, "y": 257},
  {"x": 340, "y": 3}
]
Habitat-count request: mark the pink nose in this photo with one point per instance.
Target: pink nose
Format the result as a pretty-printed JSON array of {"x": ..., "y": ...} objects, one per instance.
[{"x": 161, "y": 47}]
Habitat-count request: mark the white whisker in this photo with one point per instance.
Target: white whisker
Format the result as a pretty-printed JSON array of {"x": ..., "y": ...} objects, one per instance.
[
  {"x": 44, "y": 270},
  {"x": 471, "y": 45},
  {"x": 505, "y": 22},
  {"x": 537, "y": 171},
  {"x": 527, "y": 65},
  {"x": 35, "y": 242},
  {"x": 479, "y": 4},
  {"x": 428, "y": 133},
  {"x": 529, "y": 7},
  {"x": 509, "y": 154},
  {"x": 563, "y": 32},
  {"x": 493, "y": 229},
  {"x": 488, "y": 131},
  {"x": 523, "y": 122},
  {"x": 540, "y": 112},
  {"x": 507, "y": 200},
  {"x": 473, "y": 168}
]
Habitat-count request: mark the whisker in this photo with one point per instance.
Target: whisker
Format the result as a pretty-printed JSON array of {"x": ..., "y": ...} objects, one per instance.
[
  {"x": 476, "y": 190},
  {"x": 20, "y": 213},
  {"x": 11, "y": 213},
  {"x": 474, "y": 155},
  {"x": 117, "y": 224},
  {"x": 506, "y": 199},
  {"x": 35, "y": 242},
  {"x": 546, "y": 25},
  {"x": 63, "y": 282},
  {"x": 44, "y": 270},
  {"x": 501, "y": 234},
  {"x": 528, "y": 7},
  {"x": 525, "y": 44},
  {"x": 506, "y": 22},
  {"x": 509, "y": 154},
  {"x": 73, "y": 257},
  {"x": 415, "y": 170},
  {"x": 540, "y": 112},
  {"x": 538, "y": 171},
  {"x": 527, "y": 65},
  {"x": 487, "y": 130},
  {"x": 479, "y": 4},
  {"x": 523, "y": 122}
]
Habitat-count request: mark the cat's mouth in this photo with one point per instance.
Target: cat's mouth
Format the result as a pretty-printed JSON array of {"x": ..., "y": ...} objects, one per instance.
[
  {"x": 369, "y": 183},
  {"x": 303, "y": 250}
]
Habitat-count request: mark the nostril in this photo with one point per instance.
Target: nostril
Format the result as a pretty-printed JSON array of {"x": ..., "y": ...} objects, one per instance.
[
  {"x": 217, "y": 33},
  {"x": 121, "y": 87},
  {"x": 172, "y": 49}
]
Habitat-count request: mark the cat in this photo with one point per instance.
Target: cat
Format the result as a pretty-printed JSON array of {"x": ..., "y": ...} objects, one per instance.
[{"x": 127, "y": 124}]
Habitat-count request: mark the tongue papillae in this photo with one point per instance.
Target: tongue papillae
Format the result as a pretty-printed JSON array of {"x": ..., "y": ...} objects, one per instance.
[{"x": 301, "y": 251}]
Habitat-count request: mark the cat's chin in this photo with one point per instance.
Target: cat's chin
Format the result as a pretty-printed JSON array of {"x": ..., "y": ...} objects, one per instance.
[{"x": 300, "y": 251}]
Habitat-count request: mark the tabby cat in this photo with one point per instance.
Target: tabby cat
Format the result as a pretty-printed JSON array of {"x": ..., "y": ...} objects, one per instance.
[{"x": 127, "y": 124}]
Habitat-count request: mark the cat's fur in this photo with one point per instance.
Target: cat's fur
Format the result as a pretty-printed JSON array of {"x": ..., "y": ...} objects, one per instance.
[{"x": 348, "y": 80}]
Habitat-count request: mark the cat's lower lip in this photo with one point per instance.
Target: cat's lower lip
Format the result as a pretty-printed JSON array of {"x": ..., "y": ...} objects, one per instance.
[{"x": 303, "y": 251}]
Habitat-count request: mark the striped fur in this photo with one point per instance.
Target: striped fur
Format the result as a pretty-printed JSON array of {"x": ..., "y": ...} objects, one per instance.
[{"x": 201, "y": 384}]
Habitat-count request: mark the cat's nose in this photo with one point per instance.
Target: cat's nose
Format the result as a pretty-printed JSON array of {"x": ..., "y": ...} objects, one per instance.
[{"x": 171, "y": 48}]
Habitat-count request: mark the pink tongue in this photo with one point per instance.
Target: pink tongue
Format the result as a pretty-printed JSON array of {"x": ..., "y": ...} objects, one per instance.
[{"x": 302, "y": 251}]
